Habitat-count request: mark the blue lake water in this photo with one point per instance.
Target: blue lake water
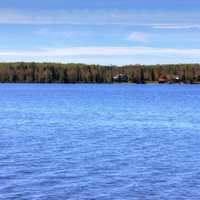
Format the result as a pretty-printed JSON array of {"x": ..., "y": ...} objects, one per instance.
[{"x": 104, "y": 142}]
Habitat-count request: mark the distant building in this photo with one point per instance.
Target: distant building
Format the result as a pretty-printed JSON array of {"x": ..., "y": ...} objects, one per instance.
[
  {"x": 120, "y": 78},
  {"x": 169, "y": 79},
  {"x": 175, "y": 79},
  {"x": 163, "y": 79}
]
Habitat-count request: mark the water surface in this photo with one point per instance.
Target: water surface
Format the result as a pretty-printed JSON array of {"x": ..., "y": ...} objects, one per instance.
[{"x": 121, "y": 142}]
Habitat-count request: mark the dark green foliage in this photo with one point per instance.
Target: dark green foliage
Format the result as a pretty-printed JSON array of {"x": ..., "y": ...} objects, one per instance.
[{"x": 81, "y": 73}]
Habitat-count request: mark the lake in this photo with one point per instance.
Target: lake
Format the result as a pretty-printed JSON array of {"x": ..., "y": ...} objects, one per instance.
[{"x": 104, "y": 142}]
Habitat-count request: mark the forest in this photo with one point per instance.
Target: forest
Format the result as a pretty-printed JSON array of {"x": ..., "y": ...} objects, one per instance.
[{"x": 32, "y": 72}]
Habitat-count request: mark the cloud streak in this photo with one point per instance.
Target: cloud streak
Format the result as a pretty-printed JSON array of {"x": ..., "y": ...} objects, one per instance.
[
  {"x": 176, "y": 26},
  {"x": 103, "y": 51},
  {"x": 138, "y": 37},
  {"x": 101, "y": 17}
]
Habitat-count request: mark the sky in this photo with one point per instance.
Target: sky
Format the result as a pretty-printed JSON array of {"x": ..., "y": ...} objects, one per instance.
[{"x": 109, "y": 32}]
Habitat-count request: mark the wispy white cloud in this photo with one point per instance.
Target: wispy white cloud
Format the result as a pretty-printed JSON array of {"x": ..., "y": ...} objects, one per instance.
[
  {"x": 176, "y": 26},
  {"x": 104, "y": 51},
  {"x": 99, "y": 17},
  {"x": 138, "y": 37},
  {"x": 61, "y": 33}
]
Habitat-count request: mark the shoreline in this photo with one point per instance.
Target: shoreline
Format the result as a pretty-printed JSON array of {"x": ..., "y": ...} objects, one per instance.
[
  {"x": 102, "y": 83},
  {"x": 82, "y": 73}
]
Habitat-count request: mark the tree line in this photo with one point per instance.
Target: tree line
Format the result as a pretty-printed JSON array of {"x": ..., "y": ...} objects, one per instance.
[{"x": 22, "y": 72}]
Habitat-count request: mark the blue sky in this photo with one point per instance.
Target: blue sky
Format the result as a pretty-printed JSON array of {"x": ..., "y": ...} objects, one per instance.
[{"x": 100, "y": 31}]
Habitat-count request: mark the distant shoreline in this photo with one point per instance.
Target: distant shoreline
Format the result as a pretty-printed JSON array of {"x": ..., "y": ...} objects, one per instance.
[{"x": 31, "y": 72}]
